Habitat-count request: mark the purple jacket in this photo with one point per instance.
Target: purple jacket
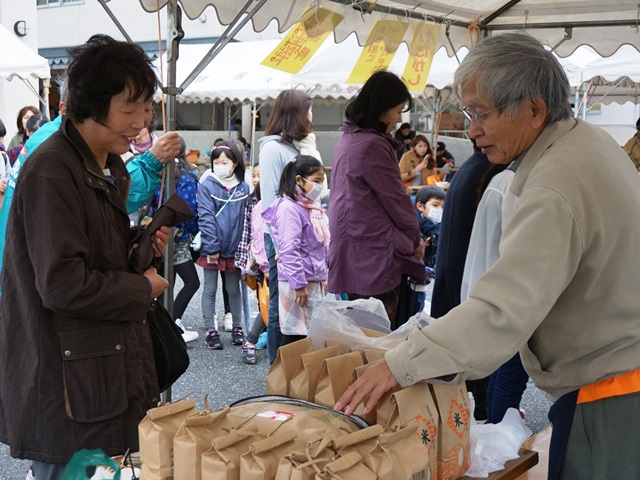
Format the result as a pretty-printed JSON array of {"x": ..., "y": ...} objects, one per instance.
[
  {"x": 303, "y": 258},
  {"x": 374, "y": 230}
]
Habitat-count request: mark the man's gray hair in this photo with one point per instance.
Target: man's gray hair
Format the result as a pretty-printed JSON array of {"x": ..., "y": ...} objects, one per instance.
[{"x": 513, "y": 67}]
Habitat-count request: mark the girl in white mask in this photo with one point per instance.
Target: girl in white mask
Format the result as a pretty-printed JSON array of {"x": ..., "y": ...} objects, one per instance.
[
  {"x": 300, "y": 230},
  {"x": 222, "y": 196}
]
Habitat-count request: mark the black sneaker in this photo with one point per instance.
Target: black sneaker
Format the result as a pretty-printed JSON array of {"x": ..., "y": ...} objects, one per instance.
[
  {"x": 237, "y": 336},
  {"x": 212, "y": 340}
]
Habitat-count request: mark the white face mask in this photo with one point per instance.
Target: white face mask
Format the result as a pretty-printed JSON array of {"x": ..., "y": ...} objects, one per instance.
[
  {"x": 316, "y": 191},
  {"x": 221, "y": 171},
  {"x": 435, "y": 215}
]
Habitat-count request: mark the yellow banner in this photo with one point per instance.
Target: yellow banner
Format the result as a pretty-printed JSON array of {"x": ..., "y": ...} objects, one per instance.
[
  {"x": 303, "y": 40},
  {"x": 381, "y": 46},
  {"x": 421, "y": 51}
]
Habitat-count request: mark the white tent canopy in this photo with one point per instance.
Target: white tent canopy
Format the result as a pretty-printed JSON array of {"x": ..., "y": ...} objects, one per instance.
[
  {"x": 605, "y": 25},
  {"x": 18, "y": 60},
  {"x": 237, "y": 74}
]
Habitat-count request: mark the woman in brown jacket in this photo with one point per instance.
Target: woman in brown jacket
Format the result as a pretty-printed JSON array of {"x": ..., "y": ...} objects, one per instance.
[
  {"x": 418, "y": 163},
  {"x": 76, "y": 360}
]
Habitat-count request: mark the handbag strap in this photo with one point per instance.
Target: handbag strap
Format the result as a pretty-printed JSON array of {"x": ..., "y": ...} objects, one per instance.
[{"x": 228, "y": 200}]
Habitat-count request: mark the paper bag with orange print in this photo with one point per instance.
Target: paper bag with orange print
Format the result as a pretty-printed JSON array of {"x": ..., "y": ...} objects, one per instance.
[
  {"x": 285, "y": 365},
  {"x": 415, "y": 403},
  {"x": 454, "y": 455}
]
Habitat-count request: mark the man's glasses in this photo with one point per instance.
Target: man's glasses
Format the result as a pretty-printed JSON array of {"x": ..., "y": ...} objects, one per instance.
[{"x": 479, "y": 117}]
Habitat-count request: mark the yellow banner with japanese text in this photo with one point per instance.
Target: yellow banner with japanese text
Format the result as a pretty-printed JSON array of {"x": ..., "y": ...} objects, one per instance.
[
  {"x": 382, "y": 44},
  {"x": 421, "y": 51},
  {"x": 303, "y": 40}
]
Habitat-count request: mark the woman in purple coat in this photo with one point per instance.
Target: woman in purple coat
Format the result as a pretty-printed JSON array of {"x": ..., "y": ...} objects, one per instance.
[
  {"x": 375, "y": 233},
  {"x": 299, "y": 228}
]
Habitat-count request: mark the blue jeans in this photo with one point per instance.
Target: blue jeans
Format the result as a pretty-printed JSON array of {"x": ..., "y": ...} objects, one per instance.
[
  {"x": 506, "y": 386},
  {"x": 274, "y": 335}
]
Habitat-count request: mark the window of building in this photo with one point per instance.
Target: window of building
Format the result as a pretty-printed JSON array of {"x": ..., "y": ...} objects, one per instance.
[{"x": 56, "y": 3}]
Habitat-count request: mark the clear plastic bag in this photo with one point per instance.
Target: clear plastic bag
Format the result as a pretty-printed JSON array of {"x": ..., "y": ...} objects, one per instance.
[{"x": 339, "y": 322}]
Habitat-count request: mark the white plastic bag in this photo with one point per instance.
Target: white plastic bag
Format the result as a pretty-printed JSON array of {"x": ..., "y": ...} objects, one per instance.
[{"x": 339, "y": 322}]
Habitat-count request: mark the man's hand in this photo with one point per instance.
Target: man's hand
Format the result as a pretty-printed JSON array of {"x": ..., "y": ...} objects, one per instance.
[
  {"x": 158, "y": 283},
  {"x": 376, "y": 381},
  {"x": 160, "y": 240},
  {"x": 166, "y": 147}
]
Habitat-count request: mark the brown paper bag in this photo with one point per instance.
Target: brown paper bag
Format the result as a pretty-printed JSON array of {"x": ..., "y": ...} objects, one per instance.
[
  {"x": 305, "y": 464},
  {"x": 156, "y": 432},
  {"x": 415, "y": 403},
  {"x": 335, "y": 377},
  {"x": 454, "y": 455},
  {"x": 304, "y": 381},
  {"x": 285, "y": 365},
  {"x": 395, "y": 454},
  {"x": 373, "y": 355},
  {"x": 371, "y": 417},
  {"x": 347, "y": 467},
  {"x": 262, "y": 459},
  {"x": 222, "y": 460},
  {"x": 193, "y": 439}
]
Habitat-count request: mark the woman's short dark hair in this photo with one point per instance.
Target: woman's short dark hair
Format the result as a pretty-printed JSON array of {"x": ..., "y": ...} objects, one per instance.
[
  {"x": 381, "y": 92},
  {"x": 23, "y": 111},
  {"x": 290, "y": 117},
  {"x": 233, "y": 153},
  {"x": 3, "y": 129},
  {"x": 101, "y": 69},
  {"x": 303, "y": 165},
  {"x": 427, "y": 193}
]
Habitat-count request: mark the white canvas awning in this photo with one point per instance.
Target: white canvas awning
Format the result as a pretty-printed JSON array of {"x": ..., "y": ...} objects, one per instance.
[
  {"x": 604, "y": 25},
  {"x": 18, "y": 60},
  {"x": 236, "y": 72}
]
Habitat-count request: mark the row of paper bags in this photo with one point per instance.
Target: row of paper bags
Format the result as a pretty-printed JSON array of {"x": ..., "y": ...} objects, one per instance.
[{"x": 420, "y": 432}]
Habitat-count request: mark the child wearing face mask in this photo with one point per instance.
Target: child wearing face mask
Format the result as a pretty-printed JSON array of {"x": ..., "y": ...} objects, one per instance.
[
  {"x": 221, "y": 199},
  {"x": 300, "y": 230},
  {"x": 429, "y": 205}
]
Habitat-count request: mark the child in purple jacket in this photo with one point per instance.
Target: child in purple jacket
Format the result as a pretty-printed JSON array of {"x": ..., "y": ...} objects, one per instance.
[{"x": 300, "y": 229}]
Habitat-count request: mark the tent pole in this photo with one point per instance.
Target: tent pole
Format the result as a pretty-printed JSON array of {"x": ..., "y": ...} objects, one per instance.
[{"x": 174, "y": 35}]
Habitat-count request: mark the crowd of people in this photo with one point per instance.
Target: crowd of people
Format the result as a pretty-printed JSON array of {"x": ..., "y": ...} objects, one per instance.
[{"x": 531, "y": 272}]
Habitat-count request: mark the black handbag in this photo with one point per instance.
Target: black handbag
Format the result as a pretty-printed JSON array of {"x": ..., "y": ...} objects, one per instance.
[{"x": 169, "y": 348}]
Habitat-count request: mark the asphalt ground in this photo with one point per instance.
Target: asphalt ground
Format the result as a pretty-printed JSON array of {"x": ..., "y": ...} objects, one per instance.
[{"x": 223, "y": 377}]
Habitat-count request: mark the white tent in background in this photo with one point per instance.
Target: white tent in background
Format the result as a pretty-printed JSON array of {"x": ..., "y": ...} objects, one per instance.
[
  {"x": 18, "y": 60},
  {"x": 237, "y": 73}
]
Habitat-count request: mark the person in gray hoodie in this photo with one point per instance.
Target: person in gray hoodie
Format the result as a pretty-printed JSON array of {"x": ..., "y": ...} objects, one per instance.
[{"x": 290, "y": 122}]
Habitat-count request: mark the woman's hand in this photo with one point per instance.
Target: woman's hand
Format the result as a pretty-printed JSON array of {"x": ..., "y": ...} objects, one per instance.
[
  {"x": 166, "y": 148},
  {"x": 423, "y": 164},
  {"x": 158, "y": 283},
  {"x": 213, "y": 258},
  {"x": 419, "y": 252},
  {"x": 302, "y": 297},
  {"x": 160, "y": 240},
  {"x": 3, "y": 185}
]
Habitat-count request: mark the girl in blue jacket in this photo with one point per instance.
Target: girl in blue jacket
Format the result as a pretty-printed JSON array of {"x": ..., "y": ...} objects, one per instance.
[
  {"x": 222, "y": 197},
  {"x": 300, "y": 230}
]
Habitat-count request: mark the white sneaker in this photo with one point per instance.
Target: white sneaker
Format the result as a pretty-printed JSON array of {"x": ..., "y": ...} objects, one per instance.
[
  {"x": 188, "y": 335},
  {"x": 228, "y": 322},
  {"x": 30, "y": 475}
]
